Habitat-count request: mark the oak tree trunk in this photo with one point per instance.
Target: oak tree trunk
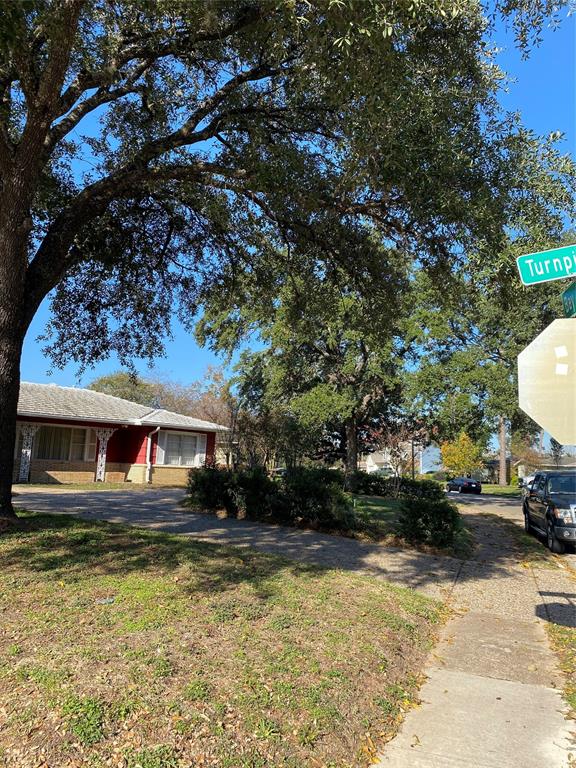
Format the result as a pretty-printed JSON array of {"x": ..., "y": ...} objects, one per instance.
[
  {"x": 14, "y": 228},
  {"x": 351, "y": 462},
  {"x": 10, "y": 353},
  {"x": 502, "y": 474}
]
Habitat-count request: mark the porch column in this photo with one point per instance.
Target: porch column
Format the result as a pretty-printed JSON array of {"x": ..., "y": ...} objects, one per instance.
[
  {"x": 103, "y": 436},
  {"x": 27, "y": 431}
]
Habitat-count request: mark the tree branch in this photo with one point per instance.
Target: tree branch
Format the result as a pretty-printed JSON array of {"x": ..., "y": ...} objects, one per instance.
[
  {"x": 142, "y": 48},
  {"x": 102, "y": 96},
  {"x": 43, "y": 98}
]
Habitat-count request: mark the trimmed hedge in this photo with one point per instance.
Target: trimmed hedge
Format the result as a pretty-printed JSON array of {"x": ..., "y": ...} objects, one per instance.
[
  {"x": 373, "y": 484},
  {"x": 312, "y": 497},
  {"x": 424, "y": 521}
]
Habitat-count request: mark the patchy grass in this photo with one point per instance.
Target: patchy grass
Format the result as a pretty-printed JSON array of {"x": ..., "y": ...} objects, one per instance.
[
  {"x": 377, "y": 516},
  {"x": 526, "y": 548},
  {"x": 131, "y": 648},
  {"x": 509, "y": 491},
  {"x": 563, "y": 641},
  {"x": 530, "y": 550}
]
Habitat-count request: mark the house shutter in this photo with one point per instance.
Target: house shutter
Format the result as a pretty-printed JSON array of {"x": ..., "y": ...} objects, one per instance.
[
  {"x": 201, "y": 451},
  {"x": 161, "y": 448}
]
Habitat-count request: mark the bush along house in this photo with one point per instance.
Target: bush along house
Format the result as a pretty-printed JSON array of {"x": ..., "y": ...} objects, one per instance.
[{"x": 68, "y": 435}]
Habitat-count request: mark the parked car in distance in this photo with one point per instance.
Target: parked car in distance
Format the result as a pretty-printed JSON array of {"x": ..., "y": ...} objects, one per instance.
[
  {"x": 464, "y": 485},
  {"x": 549, "y": 508}
]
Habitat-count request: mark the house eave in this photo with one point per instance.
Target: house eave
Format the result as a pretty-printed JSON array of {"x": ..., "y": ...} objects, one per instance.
[
  {"x": 122, "y": 423},
  {"x": 62, "y": 417}
]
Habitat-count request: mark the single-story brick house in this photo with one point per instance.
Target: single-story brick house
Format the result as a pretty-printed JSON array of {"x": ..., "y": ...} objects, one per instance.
[{"x": 67, "y": 434}]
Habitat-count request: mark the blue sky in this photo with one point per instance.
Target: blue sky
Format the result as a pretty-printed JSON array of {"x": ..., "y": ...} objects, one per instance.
[{"x": 544, "y": 93}]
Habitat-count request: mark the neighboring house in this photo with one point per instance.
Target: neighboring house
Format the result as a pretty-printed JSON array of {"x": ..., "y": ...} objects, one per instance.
[
  {"x": 490, "y": 472},
  {"x": 546, "y": 463},
  {"x": 381, "y": 461},
  {"x": 66, "y": 434}
]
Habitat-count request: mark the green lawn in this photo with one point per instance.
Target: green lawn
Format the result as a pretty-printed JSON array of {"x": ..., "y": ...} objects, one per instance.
[
  {"x": 501, "y": 490},
  {"x": 377, "y": 516},
  {"x": 129, "y": 648}
]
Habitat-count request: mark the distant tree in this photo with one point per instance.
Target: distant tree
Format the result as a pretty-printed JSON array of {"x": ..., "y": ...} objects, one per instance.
[
  {"x": 525, "y": 450},
  {"x": 206, "y": 398},
  {"x": 128, "y": 386},
  {"x": 556, "y": 451},
  {"x": 333, "y": 352},
  {"x": 461, "y": 456}
]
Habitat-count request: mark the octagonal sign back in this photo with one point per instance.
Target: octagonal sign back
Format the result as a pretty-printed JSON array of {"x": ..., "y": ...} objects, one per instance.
[{"x": 547, "y": 380}]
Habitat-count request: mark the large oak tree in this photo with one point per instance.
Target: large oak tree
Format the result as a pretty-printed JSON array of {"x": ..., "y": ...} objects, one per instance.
[{"x": 145, "y": 143}]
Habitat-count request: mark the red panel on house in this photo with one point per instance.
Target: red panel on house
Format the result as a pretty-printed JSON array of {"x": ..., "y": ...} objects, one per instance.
[
  {"x": 127, "y": 445},
  {"x": 210, "y": 446}
]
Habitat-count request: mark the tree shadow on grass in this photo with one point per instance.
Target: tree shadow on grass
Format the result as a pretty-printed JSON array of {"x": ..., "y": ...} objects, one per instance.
[
  {"x": 561, "y": 611},
  {"x": 66, "y": 547},
  {"x": 158, "y": 511}
]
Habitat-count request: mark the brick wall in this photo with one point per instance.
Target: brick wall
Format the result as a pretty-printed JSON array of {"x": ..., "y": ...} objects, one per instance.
[
  {"x": 165, "y": 475},
  {"x": 51, "y": 471}
]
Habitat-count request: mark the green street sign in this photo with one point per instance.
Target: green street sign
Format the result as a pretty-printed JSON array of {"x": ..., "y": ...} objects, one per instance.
[
  {"x": 569, "y": 300},
  {"x": 556, "y": 264}
]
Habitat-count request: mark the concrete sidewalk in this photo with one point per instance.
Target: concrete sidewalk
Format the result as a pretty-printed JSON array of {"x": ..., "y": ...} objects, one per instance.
[{"x": 492, "y": 698}]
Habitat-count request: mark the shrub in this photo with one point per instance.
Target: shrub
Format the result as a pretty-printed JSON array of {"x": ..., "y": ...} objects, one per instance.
[
  {"x": 315, "y": 496},
  {"x": 369, "y": 483},
  {"x": 253, "y": 494},
  {"x": 373, "y": 484},
  {"x": 421, "y": 489},
  {"x": 429, "y": 522},
  {"x": 308, "y": 496},
  {"x": 208, "y": 488}
]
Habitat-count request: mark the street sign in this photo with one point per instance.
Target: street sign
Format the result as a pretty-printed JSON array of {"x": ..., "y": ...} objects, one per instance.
[
  {"x": 569, "y": 300},
  {"x": 556, "y": 264},
  {"x": 547, "y": 380}
]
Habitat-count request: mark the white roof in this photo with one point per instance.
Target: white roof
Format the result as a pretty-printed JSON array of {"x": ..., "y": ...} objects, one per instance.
[{"x": 75, "y": 404}]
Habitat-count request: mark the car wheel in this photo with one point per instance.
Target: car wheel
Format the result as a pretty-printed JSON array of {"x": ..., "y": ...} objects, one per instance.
[
  {"x": 527, "y": 524},
  {"x": 558, "y": 547}
]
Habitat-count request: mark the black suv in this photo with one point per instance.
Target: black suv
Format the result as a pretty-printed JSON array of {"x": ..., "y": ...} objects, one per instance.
[{"x": 550, "y": 508}]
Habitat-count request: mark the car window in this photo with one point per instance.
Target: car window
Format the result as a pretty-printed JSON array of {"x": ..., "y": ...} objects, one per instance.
[
  {"x": 539, "y": 482},
  {"x": 562, "y": 484}
]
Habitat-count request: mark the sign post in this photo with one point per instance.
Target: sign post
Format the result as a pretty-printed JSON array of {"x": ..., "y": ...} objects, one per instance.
[
  {"x": 556, "y": 264},
  {"x": 569, "y": 300}
]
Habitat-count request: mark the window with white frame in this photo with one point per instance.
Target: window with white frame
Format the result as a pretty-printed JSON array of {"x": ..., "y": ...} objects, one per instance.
[
  {"x": 65, "y": 444},
  {"x": 181, "y": 449}
]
